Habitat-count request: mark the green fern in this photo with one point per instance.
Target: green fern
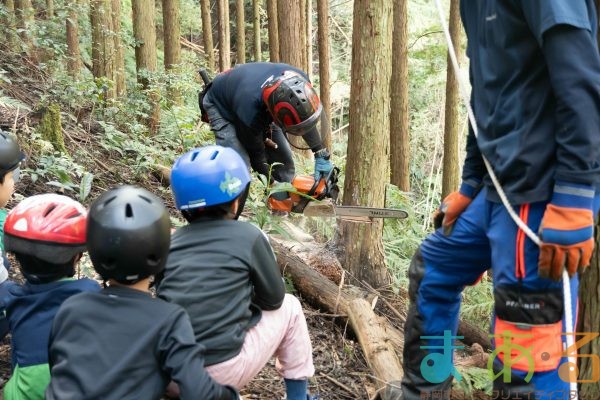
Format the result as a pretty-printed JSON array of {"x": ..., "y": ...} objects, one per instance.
[{"x": 12, "y": 103}]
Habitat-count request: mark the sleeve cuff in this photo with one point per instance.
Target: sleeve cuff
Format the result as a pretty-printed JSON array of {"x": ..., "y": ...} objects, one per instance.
[
  {"x": 575, "y": 195},
  {"x": 469, "y": 189}
]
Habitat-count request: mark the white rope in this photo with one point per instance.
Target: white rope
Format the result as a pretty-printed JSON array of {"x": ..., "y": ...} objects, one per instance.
[{"x": 505, "y": 202}]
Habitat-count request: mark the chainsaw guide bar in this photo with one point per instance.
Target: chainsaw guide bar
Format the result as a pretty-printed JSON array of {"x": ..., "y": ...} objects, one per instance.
[{"x": 358, "y": 213}]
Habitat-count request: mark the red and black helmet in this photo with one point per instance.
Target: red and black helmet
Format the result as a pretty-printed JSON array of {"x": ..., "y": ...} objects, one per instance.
[
  {"x": 292, "y": 102},
  {"x": 49, "y": 227}
]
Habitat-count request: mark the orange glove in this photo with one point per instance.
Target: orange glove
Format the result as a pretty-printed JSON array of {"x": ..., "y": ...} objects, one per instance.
[
  {"x": 452, "y": 206},
  {"x": 567, "y": 231}
]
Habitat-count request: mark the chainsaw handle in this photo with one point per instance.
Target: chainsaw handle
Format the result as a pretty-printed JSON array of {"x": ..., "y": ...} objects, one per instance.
[{"x": 204, "y": 75}]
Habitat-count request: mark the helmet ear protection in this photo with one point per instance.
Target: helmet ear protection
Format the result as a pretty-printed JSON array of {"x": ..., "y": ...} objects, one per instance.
[{"x": 292, "y": 102}]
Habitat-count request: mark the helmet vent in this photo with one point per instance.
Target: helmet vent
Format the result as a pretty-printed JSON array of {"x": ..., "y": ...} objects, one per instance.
[
  {"x": 50, "y": 208},
  {"x": 214, "y": 155},
  {"x": 128, "y": 211},
  {"x": 74, "y": 215},
  {"x": 152, "y": 260},
  {"x": 194, "y": 155},
  {"x": 145, "y": 199},
  {"x": 107, "y": 202}
]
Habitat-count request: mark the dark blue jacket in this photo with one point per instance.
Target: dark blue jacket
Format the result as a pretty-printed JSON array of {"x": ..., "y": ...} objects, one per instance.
[{"x": 535, "y": 75}]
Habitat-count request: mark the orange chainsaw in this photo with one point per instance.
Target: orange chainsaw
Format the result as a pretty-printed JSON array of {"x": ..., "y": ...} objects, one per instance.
[{"x": 307, "y": 189}]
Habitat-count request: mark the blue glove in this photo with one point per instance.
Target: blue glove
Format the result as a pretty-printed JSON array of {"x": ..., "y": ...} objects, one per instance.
[{"x": 322, "y": 164}]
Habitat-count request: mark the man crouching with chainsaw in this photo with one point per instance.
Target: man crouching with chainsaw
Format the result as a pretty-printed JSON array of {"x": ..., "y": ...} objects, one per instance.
[
  {"x": 535, "y": 75},
  {"x": 249, "y": 105}
]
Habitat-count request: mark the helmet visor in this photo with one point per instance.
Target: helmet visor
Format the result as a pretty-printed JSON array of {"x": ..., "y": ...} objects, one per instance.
[{"x": 306, "y": 125}]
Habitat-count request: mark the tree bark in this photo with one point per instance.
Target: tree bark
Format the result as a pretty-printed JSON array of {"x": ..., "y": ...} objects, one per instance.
[
  {"x": 120, "y": 85},
  {"x": 324, "y": 67},
  {"x": 371, "y": 333},
  {"x": 72, "y": 25},
  {"x": 207, "y": 34},
  {"x": 24, "y": 15},
  {"x": 224, "y": 45},
  {"x": 103, "y": 55},
  {"x": 240, "y": 37},
  {"x": 172, "y": 47},
  {"x": 256, "y": 24},
  {"x": 361, "y": 246},
  {"x": 49, "y": 12},
  {"x": 9, "y": 21},
  {"x": 399, "y": 122},
  {"x": 309, "y": 28},
  {"x": 144, "y": 33},
  {"x": 292, "y": 47},
  {"x": 451, "y": 169},
  {"x": 273, "y": 30}
]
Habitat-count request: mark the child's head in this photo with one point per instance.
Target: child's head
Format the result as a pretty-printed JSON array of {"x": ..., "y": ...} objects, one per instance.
[
  {"x": 47, "y": 235},
  {"x": 128, "y": 235},
  {"x": 210, "y": 181},
  {"x": 10, "y": 158}
]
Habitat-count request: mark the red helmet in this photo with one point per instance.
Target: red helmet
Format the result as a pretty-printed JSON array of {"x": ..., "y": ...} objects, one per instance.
[
  {"x": 50, "y": 227},
  {"x": 292, "y": 102}
]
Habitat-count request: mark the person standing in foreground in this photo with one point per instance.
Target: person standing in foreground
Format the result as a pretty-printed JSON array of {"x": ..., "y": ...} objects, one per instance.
[{"x": 535, "y": 75}]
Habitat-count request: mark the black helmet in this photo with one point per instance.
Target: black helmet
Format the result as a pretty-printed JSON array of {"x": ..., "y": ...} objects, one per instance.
[
  {"x": 10, "y": 154},
  {"x": 129, "y": 233},
  {"x": 292, "y": 102}
]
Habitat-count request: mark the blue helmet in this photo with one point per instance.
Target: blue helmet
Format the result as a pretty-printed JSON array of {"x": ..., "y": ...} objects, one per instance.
[{"x": 208, "y": 176}]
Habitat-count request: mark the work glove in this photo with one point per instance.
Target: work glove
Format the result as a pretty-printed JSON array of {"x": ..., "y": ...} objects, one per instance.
[
  {"x": 322, "y": 164},
  {"x": 567, "y": 231},
  {"x": 452, "y": 206}
]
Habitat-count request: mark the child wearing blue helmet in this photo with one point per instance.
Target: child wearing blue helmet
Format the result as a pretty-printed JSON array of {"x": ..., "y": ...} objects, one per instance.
[{"x": 224, "y": 274}]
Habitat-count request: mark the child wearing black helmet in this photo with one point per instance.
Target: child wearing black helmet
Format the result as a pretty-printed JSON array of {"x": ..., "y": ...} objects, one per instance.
[
  {"x": 46, "y": 233},
  {"x": 10, "y": 159},
  {"x": 224, "y": 273},
  {"x": 121, "y": 343}
]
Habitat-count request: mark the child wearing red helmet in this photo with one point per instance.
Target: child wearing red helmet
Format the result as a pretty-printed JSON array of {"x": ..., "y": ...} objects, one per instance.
[{"x": 47, "y": 235}]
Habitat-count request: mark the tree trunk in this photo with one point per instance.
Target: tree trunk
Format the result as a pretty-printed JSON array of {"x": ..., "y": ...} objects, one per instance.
[
  {"x": 172, "y": 47},
  {"x": 224, "y": 46},
  {"x": 589, "y": 321},
  {"x": 240, "y": 37},
  {"x": 451, "y": 169},
  {"x": 256, "y": 19},
  {"x": 144, "y": 33},
  {"x": 120, "y": 85},
  {"x": 103, "y": 44},
  {"x": 273, "y": 30},
  {"x": 292, "y": 47},
  {"x": 9, "y": 21},
  {"x": 207, "y": 34},
  {"x": 49, "y": 13},
  {"x": 309, "y": 28},
  {"x": 324, "y": 66},
  {"x": 399, "y": 123},
  {"x": 72, "y": 25},
  {"x": 24, "y": 14},
  {"x": 368, "y": 141}
]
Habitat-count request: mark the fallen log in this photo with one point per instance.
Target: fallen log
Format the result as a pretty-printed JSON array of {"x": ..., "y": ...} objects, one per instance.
[
  {"x": 371, "y": 330},
  {"x": 375, "y": 342},
  {"x": 375, "y": 334}
]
